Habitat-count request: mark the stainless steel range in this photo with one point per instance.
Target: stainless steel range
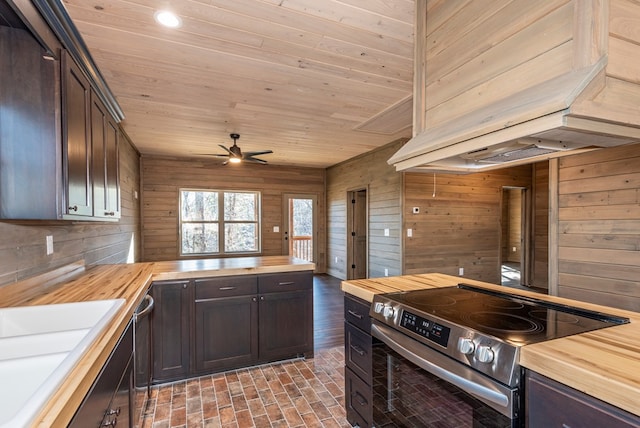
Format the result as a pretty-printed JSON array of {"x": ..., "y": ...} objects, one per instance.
[{"x": 458, "y": 348}]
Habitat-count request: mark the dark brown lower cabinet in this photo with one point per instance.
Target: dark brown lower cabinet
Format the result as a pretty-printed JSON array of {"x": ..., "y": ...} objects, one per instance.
[
  {"x": 109, "y": 401},
  {"x": 358, "y": 348},
  {"x": 226, "y": 323},
  {"x": 285, "y": 315},
  {"x": 552, "y": 404},
  {"x": 171, "y": 326},
  {"x": 207, "y": 325}
]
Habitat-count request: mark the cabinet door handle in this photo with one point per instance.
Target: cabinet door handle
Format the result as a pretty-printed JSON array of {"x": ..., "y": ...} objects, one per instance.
[
  {"x": 284, "y": 284},
  {"x": 184, "y": 285},
  {"x": 109, "y": 213},
  {"x": 355, "y": 314},
  {"x": 261, "y": 297},
  {"x": 227, "y": 288},
  {"x": 73, "y": 208},
  {"x": 358, "y": 350},
  {"x": 255, "y": 299}
]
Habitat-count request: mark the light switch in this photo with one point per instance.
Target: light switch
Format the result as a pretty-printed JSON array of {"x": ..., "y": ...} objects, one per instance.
[
  {"x": 386, "y": 232},
  {"x": 276, "y": 229},
  {"x": 409, "y": 233},
  {"x": 49, "y": 241}
]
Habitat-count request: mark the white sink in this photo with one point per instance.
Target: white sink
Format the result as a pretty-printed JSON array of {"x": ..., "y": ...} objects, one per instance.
[{"x": 39, "y": 346}]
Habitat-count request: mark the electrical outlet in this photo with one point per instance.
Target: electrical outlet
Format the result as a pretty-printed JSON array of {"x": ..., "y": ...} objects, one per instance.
[
  {"x": 514, "y": 249},
  {"x": 409, "y": 233},
  {"x": 276, "y": 229},
  {"x": 386, "y": 232},
  {"x": 386, "y": 272},
  {"x": 49, "y": 241},
  {"x": 460, "y": 271},
  {"x": 336, "y": 259}
]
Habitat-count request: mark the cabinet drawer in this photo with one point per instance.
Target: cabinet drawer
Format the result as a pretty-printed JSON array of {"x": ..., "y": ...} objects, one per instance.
[
  {"x": 356, "y": 312},
  {"x": 357, "y": 351},
  {"x": 551, "y": 404},
  {"x": 226, "y": 286},
  {"x": 358, "y": 400},
  {"x": 288, "y": 281}
]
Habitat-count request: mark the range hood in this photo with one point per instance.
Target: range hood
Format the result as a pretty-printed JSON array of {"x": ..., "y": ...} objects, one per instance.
[{"x": 575, "y": 109}]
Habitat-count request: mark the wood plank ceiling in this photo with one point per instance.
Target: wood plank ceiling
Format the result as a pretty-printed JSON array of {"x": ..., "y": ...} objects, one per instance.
[{"x": 316, "y": 81}]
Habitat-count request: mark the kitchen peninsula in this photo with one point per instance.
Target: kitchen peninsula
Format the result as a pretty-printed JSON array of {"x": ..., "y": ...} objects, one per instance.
[
  {"x": 123, "y": 281},
  {"x": 604, "y": 364}
]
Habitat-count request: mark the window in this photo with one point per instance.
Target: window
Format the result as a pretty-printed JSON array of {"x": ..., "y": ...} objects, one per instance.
[{"x": 219, "y": 222}]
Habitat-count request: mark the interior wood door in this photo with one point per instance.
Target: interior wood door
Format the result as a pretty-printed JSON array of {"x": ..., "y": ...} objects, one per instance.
[{"x": 357, "y": 234}]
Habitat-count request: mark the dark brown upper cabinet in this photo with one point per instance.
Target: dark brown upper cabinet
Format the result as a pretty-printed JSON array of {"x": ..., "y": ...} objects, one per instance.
[
  {"x": 104, "y": 146},
  {"x": 76, "y": 135},
  {"x": 58, "y": 141}
]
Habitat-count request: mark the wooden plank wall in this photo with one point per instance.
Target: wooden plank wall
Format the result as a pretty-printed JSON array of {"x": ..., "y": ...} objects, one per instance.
[
  {"x": 23, "y": 247},
  {"x": 599, "y": 227},
  {"x": 460, "y": 226},
  {"x": 384, "y": 193},
  {"x": 540, "y": 233},
  {"x": 163, "y": 177}
]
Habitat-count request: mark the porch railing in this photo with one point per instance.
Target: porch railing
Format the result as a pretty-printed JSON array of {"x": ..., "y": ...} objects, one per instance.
[{"x": 301, "y": 247}]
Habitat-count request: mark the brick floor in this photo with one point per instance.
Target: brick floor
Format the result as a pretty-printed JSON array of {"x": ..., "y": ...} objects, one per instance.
[{"x": 296, "y": 393}]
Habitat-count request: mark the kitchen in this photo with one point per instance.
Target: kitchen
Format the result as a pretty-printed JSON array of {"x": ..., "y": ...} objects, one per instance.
[{"x": 593, "y": 232}]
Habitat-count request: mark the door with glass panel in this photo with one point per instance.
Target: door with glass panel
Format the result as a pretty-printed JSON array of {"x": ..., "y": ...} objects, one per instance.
[{"x": 299, "y": 226}]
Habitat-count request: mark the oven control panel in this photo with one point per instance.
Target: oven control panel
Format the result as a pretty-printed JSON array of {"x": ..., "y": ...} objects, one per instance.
[{"x": 426, "y": 328}]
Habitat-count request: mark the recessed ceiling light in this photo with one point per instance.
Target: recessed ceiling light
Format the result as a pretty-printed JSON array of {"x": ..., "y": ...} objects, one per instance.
[{"x": 167, "y": 18}]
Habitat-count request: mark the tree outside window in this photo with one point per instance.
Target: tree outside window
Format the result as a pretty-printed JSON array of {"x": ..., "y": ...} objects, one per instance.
[{"x": 205, "y": 231}]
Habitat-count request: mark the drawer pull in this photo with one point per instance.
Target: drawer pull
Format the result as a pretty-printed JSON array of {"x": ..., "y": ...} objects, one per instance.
[
  {"x": 355, "y": 314},
  {"x": 358, "y": 350},
  {"x": 227, "y": 288},
  {"x": 113, "y": 412},
  {"x": 283, "y": 284},
  {"x": 359, "y": 398}
]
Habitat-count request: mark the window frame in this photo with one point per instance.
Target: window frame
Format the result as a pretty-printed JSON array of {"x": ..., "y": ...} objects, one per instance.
[{"x": 221, "y": 223}]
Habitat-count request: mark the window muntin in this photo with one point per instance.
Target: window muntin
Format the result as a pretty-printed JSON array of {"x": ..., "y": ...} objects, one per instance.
[{"x": 204, "y": 231}]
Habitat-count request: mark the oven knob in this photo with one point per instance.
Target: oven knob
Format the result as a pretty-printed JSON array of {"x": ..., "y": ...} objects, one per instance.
[
  {"x": 466, "y": 345},
  {"x": 377, "y": 307},
  {"x": 387, "y": 312},
  {"x": 484, "y": 354}
]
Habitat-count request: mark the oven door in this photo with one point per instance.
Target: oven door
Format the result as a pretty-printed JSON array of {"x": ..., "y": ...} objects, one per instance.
[{"x": 416, "y": 386}]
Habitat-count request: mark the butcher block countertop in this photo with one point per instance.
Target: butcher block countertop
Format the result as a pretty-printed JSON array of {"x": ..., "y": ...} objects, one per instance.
[
  {"x": 73, "y": 283},
  {"x": 603, "y": 363}
]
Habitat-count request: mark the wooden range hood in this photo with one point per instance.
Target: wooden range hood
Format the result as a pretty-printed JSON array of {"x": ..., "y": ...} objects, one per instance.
[{"x": 511, "y": 82}]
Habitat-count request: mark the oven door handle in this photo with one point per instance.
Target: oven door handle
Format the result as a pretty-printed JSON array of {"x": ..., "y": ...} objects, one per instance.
[{"x": 490, "y": 392}]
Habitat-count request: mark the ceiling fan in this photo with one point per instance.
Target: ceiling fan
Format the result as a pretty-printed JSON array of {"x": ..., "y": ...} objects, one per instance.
[{"x": 235, "y": 155}]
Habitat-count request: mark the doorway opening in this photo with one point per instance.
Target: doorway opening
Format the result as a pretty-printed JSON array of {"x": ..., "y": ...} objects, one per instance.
[
  {"x": 300, "y": 226},
  {"x": 515, "y": 242},
  {"x": 357, "y": 234}
]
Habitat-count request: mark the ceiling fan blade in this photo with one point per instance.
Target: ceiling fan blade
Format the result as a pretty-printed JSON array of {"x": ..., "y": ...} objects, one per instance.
[
  {"x": 226, "y": 149},
  {"x": 220, "y": 155},
  {"x": 255, "y": 160},
  {"x": 262, "y": 152}
]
